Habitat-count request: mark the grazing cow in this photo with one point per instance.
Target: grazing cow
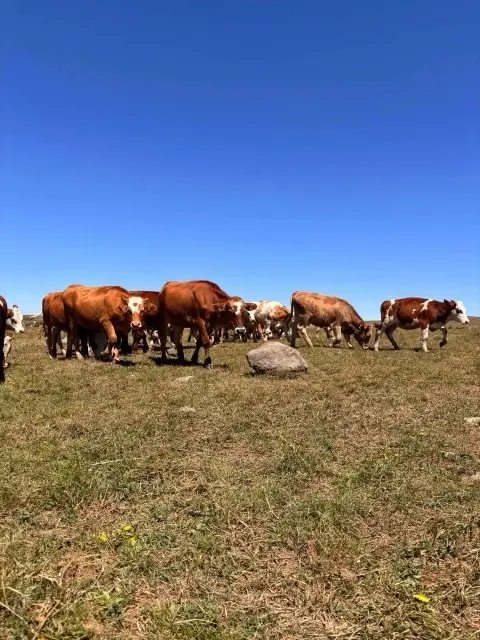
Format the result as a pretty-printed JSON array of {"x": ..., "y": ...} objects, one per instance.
[
  {"x": 109, "y": 308},
  {"x": 418, "y": 313},
  {"x": 5, "y": 314},
  {"x": 200, "y": 304},
  {"x": 327, "y": 311},
  {"x": 270, "y": 314},
  {"x": 15, "y": 322}
]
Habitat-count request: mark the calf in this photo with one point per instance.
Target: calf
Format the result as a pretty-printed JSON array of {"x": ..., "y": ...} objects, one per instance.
[
  {"x": 418, "y": 313},
  {"x": 199, "y": 304},
  {"x": 327, "y": 312}
]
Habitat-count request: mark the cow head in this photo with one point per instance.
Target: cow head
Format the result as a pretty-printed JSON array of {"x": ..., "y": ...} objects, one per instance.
[
  {"x": 251, "y": 310},
  {"x": 137, "y": 308},
  {"x": 226, "y": 314},
  {"x": 239, "y": 308},
  {"x": 17, "y": 319},
  {"x": 362, "y": 333},
  {"x": 457, "y": 311}
]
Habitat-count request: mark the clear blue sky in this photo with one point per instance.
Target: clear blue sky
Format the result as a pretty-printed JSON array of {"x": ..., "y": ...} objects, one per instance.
[{"x": 268, "y": 145}]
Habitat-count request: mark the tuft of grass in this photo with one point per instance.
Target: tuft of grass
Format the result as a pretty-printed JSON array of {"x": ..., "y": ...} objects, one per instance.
[{"x": 340, "y": 504}]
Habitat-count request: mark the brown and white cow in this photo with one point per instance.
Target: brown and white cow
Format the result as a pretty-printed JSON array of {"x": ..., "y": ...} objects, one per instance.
[
  {"x": 15, "y": 322},
  {"x": 151, "y": 321},
  {"x": 325, "y": 311},
  {"x": 199, "y": 304},
  {"x": 270, "y": 318},
  {"x": 418, "y": 313},
  {"x": 5, "y": 314},
  {"x": 110, "y": 309}
]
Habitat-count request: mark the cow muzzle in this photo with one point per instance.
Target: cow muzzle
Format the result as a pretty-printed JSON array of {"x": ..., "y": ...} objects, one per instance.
[
  {"x": 136, "y": 324},
  {"x": 240, "y": 331}
]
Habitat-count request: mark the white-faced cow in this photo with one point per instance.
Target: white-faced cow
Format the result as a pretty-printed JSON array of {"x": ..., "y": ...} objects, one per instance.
[
  {"x": 200, "y": 304},
  {"x": 15, "y": 322},
  {"x": 110, "y": 309},
  {"x": 327, "y": 311},
  {"x": 418, "y": 313}
]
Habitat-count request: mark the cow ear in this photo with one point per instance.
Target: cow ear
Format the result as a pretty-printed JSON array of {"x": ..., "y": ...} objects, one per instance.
[
  {"x": 149, "y": 307},
  {"x": 450, "y": 303},
  {"x": 9, "y": 313}
]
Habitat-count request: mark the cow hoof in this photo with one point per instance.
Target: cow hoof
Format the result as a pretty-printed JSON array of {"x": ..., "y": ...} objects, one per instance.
[
  {"x": 79, "y": 356},
  {"x": 442, "y": 343}
]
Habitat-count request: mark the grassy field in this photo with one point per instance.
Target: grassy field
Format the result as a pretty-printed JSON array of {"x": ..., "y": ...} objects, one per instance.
[{"x": 341, "y": 504}]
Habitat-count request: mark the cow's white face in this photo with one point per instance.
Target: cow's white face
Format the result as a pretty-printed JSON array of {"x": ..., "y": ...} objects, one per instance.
[
  {"x": 239, "y": 308},
  {"x": 18, "y": 318},
  {"x": 459, "y": 314},
  {"x": 135, "y": 304}
]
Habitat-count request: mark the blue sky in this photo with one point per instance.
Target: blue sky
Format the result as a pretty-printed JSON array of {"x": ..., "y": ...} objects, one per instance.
[{"x": 268, "y": 145}]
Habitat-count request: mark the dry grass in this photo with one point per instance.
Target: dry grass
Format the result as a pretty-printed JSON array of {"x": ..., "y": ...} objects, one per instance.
[{"x": 315, "y": 507}]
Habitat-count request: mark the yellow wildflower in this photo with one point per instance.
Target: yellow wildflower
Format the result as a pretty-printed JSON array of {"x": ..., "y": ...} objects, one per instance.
[{"x": 421, "y": 598}]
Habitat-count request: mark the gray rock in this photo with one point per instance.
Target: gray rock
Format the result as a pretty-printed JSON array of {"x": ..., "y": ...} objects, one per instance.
[{"x": 275, "y": 356}]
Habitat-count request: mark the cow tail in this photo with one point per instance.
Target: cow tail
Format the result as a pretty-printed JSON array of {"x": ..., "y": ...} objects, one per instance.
[{"x": 290, "y": 315}]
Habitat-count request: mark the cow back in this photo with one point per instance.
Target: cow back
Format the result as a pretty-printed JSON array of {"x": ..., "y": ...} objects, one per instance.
[
  {"x": 324, "y": 310},
  {"x": 91, "y": 307},
  {"x": 183, "y": 302}
]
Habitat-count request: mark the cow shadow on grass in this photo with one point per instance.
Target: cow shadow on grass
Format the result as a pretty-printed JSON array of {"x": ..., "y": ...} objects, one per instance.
[{"x": 174, "y": 362}]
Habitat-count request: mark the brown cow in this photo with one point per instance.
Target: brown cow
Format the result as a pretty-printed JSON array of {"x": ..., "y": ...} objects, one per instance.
[
  {"x": 418, "y": 313},
  {"x": 5, "y": 314},
  {"x": 195, "y": 303},
  {"x": 323, "y": 311},
  {"x": 54, "y": 321},
  {"x": 151, "y": 321},
  {"x": 109, "y": 308}
]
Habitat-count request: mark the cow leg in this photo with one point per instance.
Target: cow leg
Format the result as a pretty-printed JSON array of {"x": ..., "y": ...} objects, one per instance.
[
  {"x": 51, "y": 338},
  {"x": 111, "y": 348},
  {"x": 304, "y": 334},
  {"x": 177, "y": 338},
  {"x": 444, "y": 338},
  {"x": 203, "y": 339},
  {"x": 70, "y": 337},
  {"x": 424, "y": 338},
  {"x": 389, "y": 331},
  {"x": 124, "y": 346}
]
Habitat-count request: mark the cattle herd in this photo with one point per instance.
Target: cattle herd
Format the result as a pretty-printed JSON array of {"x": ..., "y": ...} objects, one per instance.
[{"x": 98, "y": 321}]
